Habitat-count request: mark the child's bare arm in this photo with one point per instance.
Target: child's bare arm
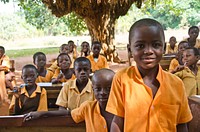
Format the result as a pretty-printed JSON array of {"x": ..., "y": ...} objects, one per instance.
[
  {"x": 58, "y": 79},
  {"x": 178, "y": 68},
  {"x": 182, "y": 127},
  {"x": 117, "y": 124}
]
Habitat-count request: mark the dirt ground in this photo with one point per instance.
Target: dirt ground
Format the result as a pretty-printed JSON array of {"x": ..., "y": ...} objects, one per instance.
[{"x": 21, "y": 61}]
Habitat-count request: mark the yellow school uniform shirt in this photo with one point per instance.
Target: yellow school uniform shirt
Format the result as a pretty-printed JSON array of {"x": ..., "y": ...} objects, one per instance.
[
  {"x": 169, "y": 50},
  {"x": 5, "y": 61},
  {"x": 173, "y": 64},
  {"x": 101, "y": 62},
  {"x": 197, "y": 44},
  {"x": 53, "y": 67},
  {"x": 131, "y": 99},
  {"x": 47, "y": 77},
  {"x": 70, "y": 97},
  {"x": 89, "y": 112},
  {"x": 190, "y": 80},
  {"x": 57, "y": 72},
  {"x": 43, "y": 98}
]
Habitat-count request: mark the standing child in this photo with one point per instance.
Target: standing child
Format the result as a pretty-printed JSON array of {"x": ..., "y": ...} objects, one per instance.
[
  {"x": 190, "y": 73},
  {"x": 72, "y": 51},
  {"x": 171, "y": 46},
  {"x": 176, "y": 62},
  {"x": 97, "y": 61},
  {"x": 85, "y": 49},
  {"x": 144, "y": 97},
  {"x": 93, "y": 112},
  {"x": 31, "y": 96},
  {"x": 63, "y": 73},
  {"x": 39, "y": 59}
]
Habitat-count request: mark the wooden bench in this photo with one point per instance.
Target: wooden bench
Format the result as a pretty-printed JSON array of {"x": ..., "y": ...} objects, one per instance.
[{"x": 46, "y": 124}]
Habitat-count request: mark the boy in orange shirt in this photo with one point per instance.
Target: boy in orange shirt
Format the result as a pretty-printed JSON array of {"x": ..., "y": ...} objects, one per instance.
[
  {"x": 39, "y": 59},
  {"x": 91, "y": 111},
  {"x": 144, "y": 97},
  {"x": 171, "y": 48},
  {"x": 30, "y": 97},
  {"x": 97, "y": 61}
]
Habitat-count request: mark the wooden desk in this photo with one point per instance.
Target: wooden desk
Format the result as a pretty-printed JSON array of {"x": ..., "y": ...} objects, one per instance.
[
  {"x": 194, "y": 103},
  {"x": 48, "y": 124},
  {"x": 53, "y": 91}
]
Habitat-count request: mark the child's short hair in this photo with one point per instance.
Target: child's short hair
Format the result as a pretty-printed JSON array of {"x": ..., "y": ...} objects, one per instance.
[
  {"x": 145, "y": 22},
  {"x": 30, "y": 66},
  {"x": 108, "y": 71},
  {"x": 85, "y": 42},
  {"x": 82, "y": 59},
  {"x": 37, "y": 54},
  {"x": 64, "y": 54},
  {"x": 193, "y": 27},
  {"x": 70, "y": 41},
  {"x": 1, "y": 47},
  {"x": 96, "y": 42},
  {"x": 195, "y": 50}
]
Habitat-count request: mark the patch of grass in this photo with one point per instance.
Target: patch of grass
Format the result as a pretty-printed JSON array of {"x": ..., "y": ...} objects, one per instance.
[{"x": 28, "y": 52}]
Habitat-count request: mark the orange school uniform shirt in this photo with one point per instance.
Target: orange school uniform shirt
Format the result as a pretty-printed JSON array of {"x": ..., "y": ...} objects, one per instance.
[
  {"x": 47, "y": 77},
  {"x": 89, "y": 112},
  {"x": 101, "y": 62},
  {"x": 70, "y": 97},
  {"x": 42, "y": 102},
  {"x": 131, "y": 99},
  {"x": 173, "y": 64},
  {"x": 58, "y": 71},
  {"x": 5, "y": 61},
  {"x": 190, "y": 80},
  {"x": 169, "y": 50}
]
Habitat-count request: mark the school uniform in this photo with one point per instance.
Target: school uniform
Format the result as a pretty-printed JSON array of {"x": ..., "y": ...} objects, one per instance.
[
  {"x": 5, "y": 61},
  {"x": 58, "y": 71},
  {"x": 89, "y": 111},
  {"x": 37, "y": 101},
  {"x": 173, "y": 64},
  {"x": 53, "y": 67},
  {"x": 131, "y": 99},
  {"x": 197, "y": 44},
  {"x": 71, "y": 98},
  {"x": 47, "y": 77},
  {"x": 169, "y": 50},
  {"x": 100, "y": 63},
  {"x": 190, "y": 80}
]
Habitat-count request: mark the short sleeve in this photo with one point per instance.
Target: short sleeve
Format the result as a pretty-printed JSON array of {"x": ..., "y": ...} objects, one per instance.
[
  {"x": 62, "y": 99},
  {"x": 115, "y": 103},
  {"x": 78, "y": 114},
  {"x": 43, "y": 101}
]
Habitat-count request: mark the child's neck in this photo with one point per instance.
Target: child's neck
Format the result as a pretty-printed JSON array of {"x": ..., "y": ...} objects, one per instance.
[
  {"x": 194, "y": 68},
  {"x": 96, "y": 56},
  {"x": 192, "y": 42},
  {"x": 41, "y": 71},
  {"x": 172, "y": 47},
  {"x": 31, "y": 89},
  {"x": 81, "y": 85}
]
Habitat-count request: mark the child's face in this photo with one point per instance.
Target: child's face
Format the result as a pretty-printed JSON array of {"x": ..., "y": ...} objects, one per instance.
[
  {"x": 40, "y": 61},
  {"x": 182, "y": 47},
  {"x": 85, "y": 47},
  {"x": 147, "y": 45},
  {"x": 29, "y": 75},
  {"x": 64, "y": 62},
  {"x": 189, "y": 57},
  {"x": 96, "y": 48},
  {"x": 64, "y": 49},
  {"x": 172, "y": 41},
  {"x": 1, "y": 52},
  {"x": 194, "y": 33},
  {"x": 101, "y": 87},
  {"x": 71, "y": 46},
  {"x": 82, "y": 71}
]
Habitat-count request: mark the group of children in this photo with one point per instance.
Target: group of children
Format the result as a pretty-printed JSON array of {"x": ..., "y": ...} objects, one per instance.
[{"x": 138, "y": 98}]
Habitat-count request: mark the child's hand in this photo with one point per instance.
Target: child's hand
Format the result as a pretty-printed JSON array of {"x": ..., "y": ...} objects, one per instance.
[
  {"x": 16, "y": 92},
  {"x": 31, "y": 116},
  {"x": 60, "y": 76},
  {"x": 179, "y": 68}
]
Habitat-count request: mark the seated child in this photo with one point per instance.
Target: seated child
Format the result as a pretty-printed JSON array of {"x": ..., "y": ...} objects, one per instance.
[
  {"x": 171, "y": 48},
  {"x": 39, "y": 59},
  {"x": 73, "y": 93},
  {"x": 85, "y": 49},
  {"x": 31, "y": 96},
  {"x": 144, "y": 97},
  {"x": 63, "y": 73},
  {"x": 190, "y": 73},
  {"x": 193, "y": 33},
  {"x": 4, "y": 60},
  {"x": 91, "y": 111},
  {"x": 97, "y": 61},
  {"x": 176, "y": 62},
  {"x": 64, "y": 48}
]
